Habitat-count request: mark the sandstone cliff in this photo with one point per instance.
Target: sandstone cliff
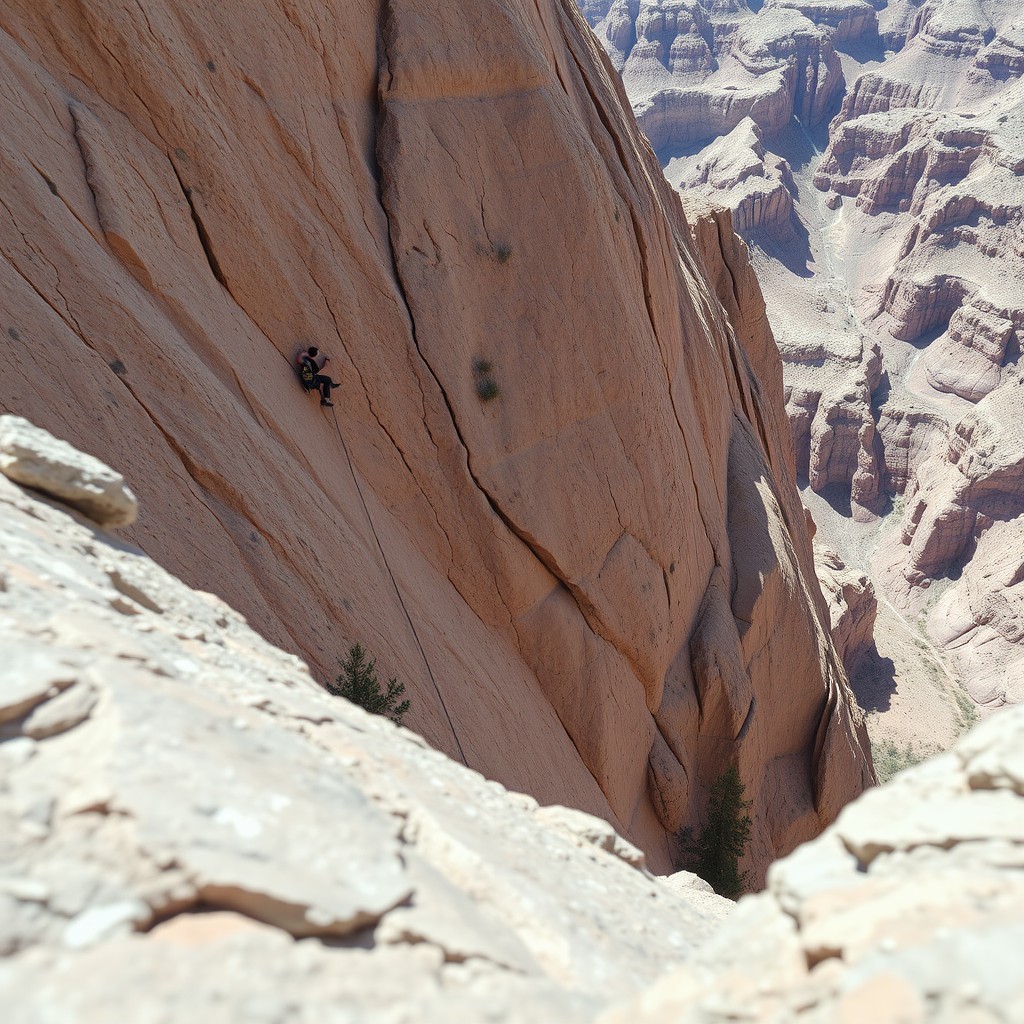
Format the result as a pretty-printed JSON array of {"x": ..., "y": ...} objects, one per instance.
[
  {"x": 888, "y": 244},
  {"x": 596, "y": 584}
]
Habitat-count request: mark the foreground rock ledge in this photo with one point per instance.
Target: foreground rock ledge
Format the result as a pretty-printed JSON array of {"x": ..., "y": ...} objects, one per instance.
[
  {"x": 191, "y": 827},
  {"x": 909, "y": 908}
]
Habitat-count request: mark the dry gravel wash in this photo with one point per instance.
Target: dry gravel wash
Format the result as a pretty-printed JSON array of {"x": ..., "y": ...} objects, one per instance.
[{"x": 191, "y": 829}]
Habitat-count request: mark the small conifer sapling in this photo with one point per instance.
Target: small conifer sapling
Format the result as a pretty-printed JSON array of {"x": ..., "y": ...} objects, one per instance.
[{"x": 358, "y": 683}]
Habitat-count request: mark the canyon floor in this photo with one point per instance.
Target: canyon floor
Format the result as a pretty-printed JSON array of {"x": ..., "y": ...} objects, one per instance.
[{"x": 911, "y": 691}]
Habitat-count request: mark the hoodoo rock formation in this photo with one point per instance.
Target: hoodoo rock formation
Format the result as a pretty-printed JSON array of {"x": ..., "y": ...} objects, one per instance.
[
  {"x": 886, "y": 227},
  {"x": 553, "y": 497}
]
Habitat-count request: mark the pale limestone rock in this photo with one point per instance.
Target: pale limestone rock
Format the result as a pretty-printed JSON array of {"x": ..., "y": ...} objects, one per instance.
[
  {"x": 593, "y": 830},
  {"x": 28, "y": 677},
  {"x": 34, "y": 458},
  {"x": 102, "y": 921},
  {"x": 62, "y": 712},
  {"x": 215, "y": 806},
  {"x": 908, "y": 908}
]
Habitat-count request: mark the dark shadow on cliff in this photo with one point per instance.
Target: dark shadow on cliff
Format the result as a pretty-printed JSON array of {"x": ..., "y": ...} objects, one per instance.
[
  {"x": 792, "y": 250},
  {"x": 873, "y": 680},
  {"x": 838, "y": 496},
  {"x": 864, "y": 51}
]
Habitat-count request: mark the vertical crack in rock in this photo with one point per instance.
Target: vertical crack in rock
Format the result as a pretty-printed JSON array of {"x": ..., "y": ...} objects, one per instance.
[
  {"x": 384, "y": 69},
  {"x": 586, "y": 609},
  {"x": 204, "y": 236}
]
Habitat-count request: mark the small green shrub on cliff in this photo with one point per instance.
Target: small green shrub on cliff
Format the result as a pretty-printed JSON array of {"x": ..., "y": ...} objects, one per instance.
[
  {"x": 358, "y": 683},
  {"x": 724, "y": 838}
]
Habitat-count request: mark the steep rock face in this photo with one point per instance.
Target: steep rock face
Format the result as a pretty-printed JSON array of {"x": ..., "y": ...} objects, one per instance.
[
  {"x": 890, "y": 248},
  {"x": 191, "y": 196},
  {"x": 852, "y": 606},
  {"x": 191, "y": 827}
]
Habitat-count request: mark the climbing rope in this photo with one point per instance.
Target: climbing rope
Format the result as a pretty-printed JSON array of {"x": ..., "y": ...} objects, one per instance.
[{"x": 394, "y": 583}]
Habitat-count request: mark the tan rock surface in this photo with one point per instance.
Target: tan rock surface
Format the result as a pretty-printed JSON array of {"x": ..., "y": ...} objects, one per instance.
[
  {"x": 893, "y": 287},
  {"x": 852, "y": 607},
  {"x": 422, "y": 191},
  {"x": 909, "y": 908},
  {"x": 213, "y": 837}
]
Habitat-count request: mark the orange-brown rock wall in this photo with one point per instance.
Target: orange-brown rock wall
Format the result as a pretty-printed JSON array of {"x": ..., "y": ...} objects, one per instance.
[{"x": 439, "y": 196}]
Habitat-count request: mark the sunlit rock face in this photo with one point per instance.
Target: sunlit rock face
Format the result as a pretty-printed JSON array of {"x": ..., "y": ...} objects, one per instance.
[
  {"x": 885, "y": 219},
  {"x": 544, "y": 493}
]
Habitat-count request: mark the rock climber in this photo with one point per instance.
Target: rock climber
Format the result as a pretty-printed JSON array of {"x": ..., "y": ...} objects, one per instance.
[{"x": 310, "y": 363}]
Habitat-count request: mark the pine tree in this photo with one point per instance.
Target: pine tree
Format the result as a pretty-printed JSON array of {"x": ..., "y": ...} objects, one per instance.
[
  {"x": 358, "y": 683},
  {"x": 724, "y": 837}
]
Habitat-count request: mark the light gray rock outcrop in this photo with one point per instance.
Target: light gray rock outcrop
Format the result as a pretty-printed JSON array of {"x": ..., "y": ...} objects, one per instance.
[
  {"x": 191, "y": 829},
  {"x": 35, "y": 458},
  {"x": 909, "y": 908}
]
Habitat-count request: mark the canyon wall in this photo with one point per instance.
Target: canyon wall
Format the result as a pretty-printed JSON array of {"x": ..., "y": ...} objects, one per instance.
[
  {"x": 883, "y": 203},
  {"x": 552, "y": 497}
]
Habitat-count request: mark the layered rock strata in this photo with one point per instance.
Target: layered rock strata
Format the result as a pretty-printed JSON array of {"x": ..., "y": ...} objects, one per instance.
[
  {"x": 544, "y": 499},
  {"x": 695, "y": 71},
  {"x": 962, "y": 518},
  {"x": 852, "y": 606}
]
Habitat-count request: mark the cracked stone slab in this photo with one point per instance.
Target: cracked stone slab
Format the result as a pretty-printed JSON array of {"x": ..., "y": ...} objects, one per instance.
[
  {"x": 28, "y": 677},
  {"x": 192, "y": 823},
  {"x": 63, "y": 712}
]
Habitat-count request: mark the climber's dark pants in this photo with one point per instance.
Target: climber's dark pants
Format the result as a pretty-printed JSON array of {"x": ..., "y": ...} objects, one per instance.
[{"x": 323, "y": 382}]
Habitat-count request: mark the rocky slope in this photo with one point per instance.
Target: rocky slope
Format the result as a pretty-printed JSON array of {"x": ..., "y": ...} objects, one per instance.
[
  {"x": 553, "y": 498},
  {"x": 883, "y": 197},
  {"x": 191, "y": 827},
  {"x": 910, "y": 908}
]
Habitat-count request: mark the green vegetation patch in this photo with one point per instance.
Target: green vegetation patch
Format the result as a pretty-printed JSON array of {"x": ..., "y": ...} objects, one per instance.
[
  {"x": 723, "y": 840},
  {"x": 358, "y": 683},
  {"x": 891, "y": 758}
]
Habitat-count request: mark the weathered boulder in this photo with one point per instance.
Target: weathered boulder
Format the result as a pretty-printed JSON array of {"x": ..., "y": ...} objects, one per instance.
[
  {"x": 908, "y": 908},
  {"x": 34, "y": 458}
]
